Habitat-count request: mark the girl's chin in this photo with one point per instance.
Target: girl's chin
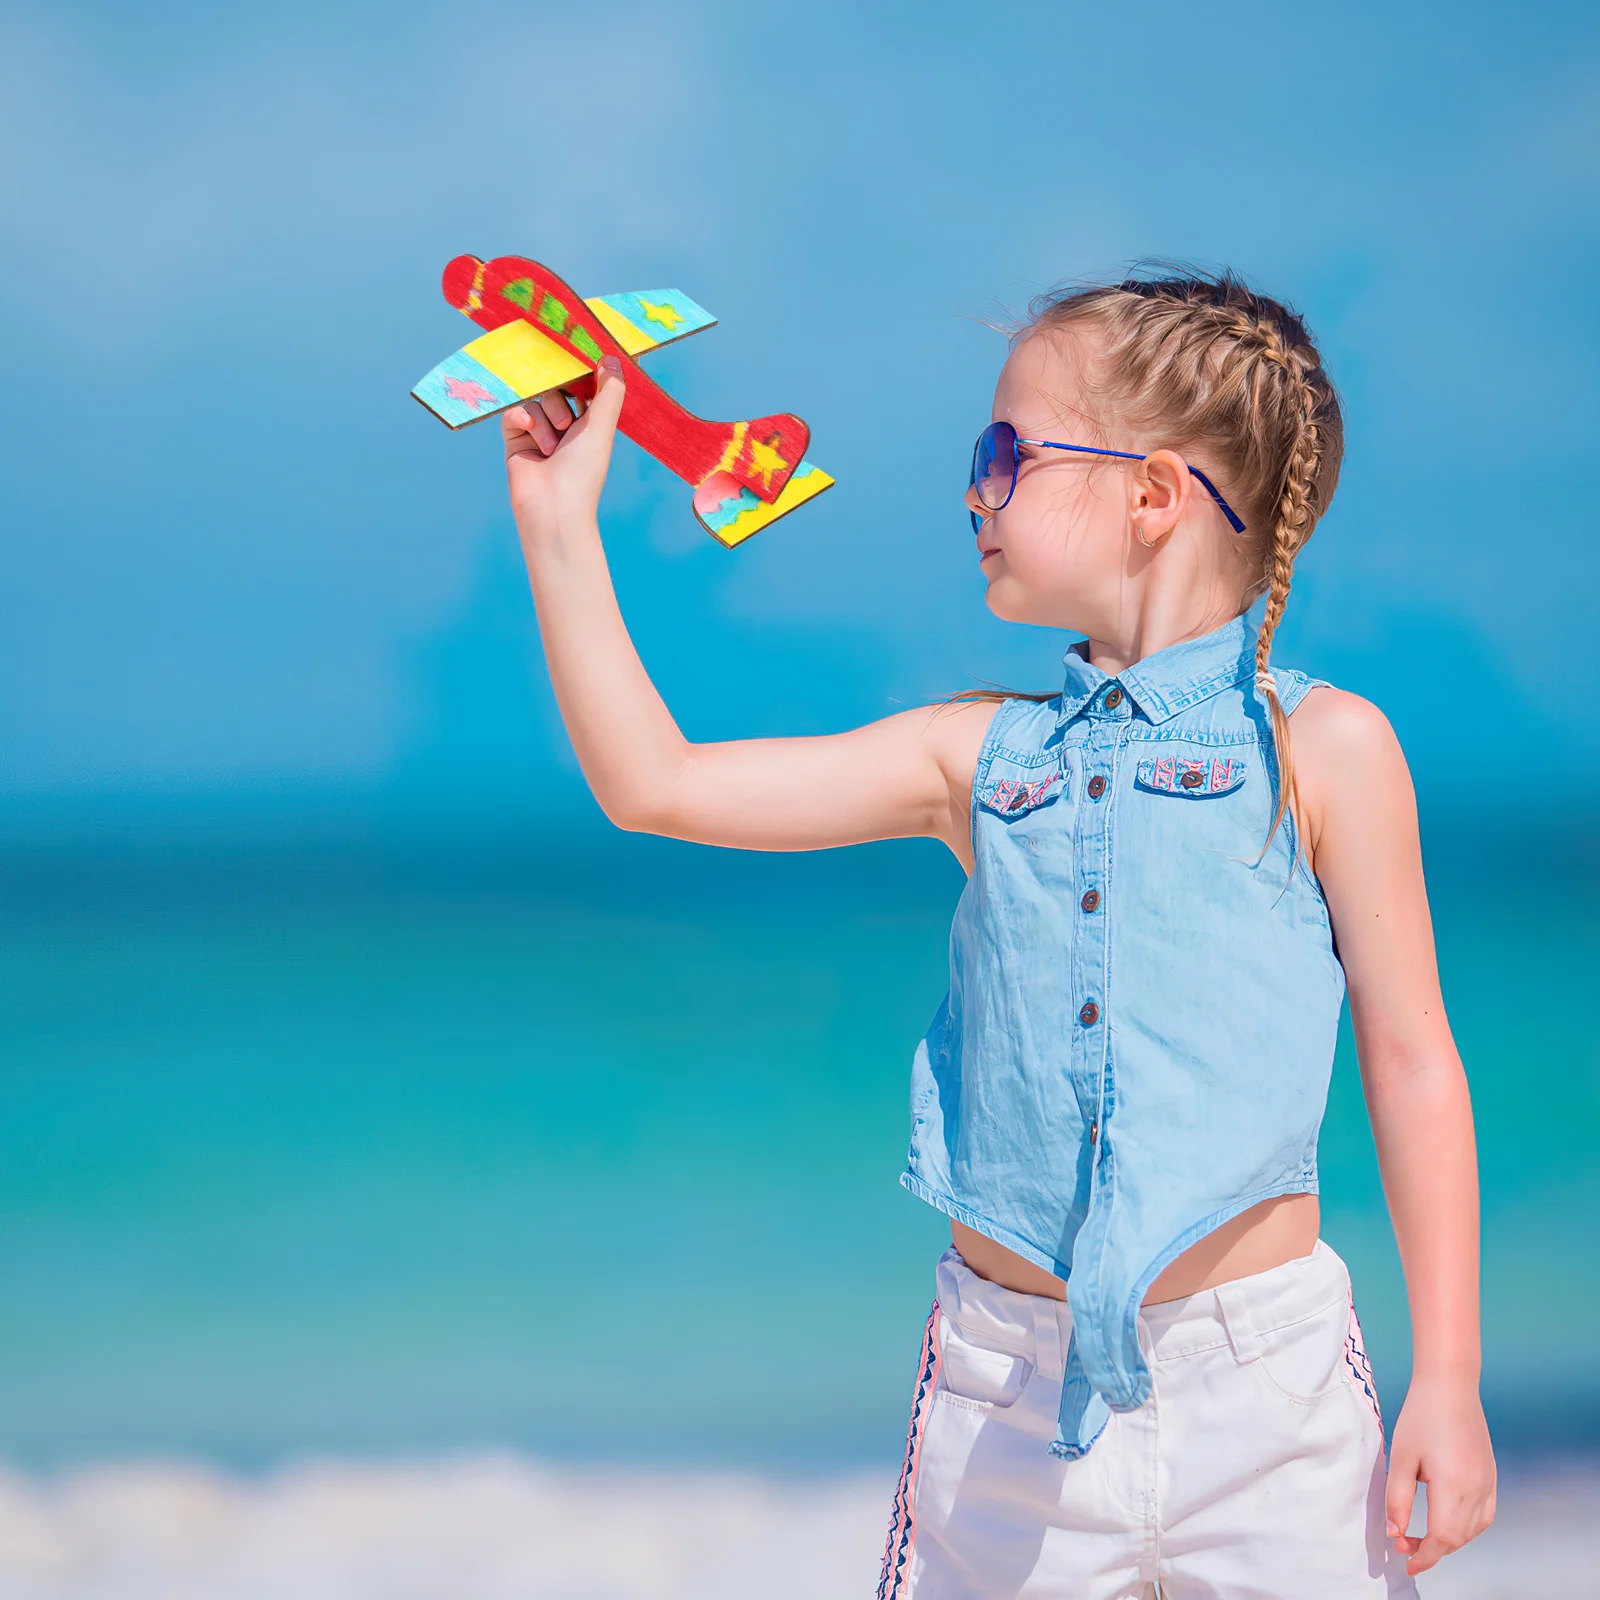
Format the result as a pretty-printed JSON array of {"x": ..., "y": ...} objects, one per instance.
[
  {"x": 995, "y": 598},
  {"x": 1006, "y": 604}
]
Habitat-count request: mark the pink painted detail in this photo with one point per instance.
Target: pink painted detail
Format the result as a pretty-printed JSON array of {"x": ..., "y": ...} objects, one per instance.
[
  {"x": 468, "y": 392},
  {"x": 1359, "y": 1369},
  {"x": 1166, "y": 770},
  {"x": 1221, "y": 771},
  {"x": 897, "y": 1551}
]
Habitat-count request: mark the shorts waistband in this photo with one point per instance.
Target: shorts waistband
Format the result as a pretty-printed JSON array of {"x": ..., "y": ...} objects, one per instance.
[{"x": 1235, "y": 1313}]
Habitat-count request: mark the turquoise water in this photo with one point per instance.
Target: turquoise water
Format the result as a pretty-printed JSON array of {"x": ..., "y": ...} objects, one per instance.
[{"x": 595, "y": 1153}]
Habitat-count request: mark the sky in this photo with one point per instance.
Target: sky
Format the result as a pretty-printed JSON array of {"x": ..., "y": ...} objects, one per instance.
[{"x": 246, "y": 574}]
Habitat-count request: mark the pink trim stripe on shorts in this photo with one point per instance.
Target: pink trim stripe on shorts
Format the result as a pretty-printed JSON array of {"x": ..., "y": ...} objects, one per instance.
[{"x": 902, "y": 1525}]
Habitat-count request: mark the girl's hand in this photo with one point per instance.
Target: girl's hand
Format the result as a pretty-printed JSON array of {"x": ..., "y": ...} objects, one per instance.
[
  {"x": 1442, "y": 1440},
  {"x": 557, "y": 453}
]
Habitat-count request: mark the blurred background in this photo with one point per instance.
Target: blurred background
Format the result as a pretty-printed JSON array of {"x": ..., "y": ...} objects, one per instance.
[{"x": 409, "y": 1185}]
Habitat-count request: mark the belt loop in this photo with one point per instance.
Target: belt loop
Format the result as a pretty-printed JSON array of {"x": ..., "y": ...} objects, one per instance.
[
  {"x": 1047, "y": 1337},
  {"x": 1234, "y": 1304}
]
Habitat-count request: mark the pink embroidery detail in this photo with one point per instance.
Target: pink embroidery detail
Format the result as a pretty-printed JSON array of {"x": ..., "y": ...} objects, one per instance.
[
  {"x": 902, "y": 1518},
  {"x": 1164, "y": 773},
  {"x": 1014, "y": 795}
]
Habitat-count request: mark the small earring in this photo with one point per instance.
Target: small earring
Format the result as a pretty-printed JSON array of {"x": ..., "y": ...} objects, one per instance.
[{"x": 1138, "y": 533}]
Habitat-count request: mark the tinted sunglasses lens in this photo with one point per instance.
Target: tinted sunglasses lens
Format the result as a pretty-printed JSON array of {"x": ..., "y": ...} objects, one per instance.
[{"x": 994, "y": 464}]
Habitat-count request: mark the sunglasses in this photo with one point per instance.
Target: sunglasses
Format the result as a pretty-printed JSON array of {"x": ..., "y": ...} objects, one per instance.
[{"x": 995, "y": 462}]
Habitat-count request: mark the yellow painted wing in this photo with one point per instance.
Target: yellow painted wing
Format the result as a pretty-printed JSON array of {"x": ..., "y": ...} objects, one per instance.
[{"x": 516, "y": 360}]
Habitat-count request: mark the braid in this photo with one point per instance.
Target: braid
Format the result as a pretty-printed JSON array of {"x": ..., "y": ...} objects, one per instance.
[{"x": 1296, "y": 516}]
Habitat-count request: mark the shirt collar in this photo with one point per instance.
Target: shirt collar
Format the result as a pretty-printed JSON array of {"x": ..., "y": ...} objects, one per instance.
[{"x": 1173, "y": 679}]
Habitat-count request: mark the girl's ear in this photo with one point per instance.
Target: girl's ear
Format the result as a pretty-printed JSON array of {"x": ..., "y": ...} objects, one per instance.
[{"x": 1158, "y": 494}]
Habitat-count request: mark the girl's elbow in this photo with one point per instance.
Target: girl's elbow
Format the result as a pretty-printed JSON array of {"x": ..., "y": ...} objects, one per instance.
[
  {"x": 1427, "y": 1069},
  {"x": 634, "y": 813},
  {"x": 648, "y": 809},
  {"x": 654, "y": 799}
]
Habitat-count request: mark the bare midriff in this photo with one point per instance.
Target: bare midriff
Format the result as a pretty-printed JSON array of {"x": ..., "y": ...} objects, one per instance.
[{"x": 1267, "y": 1235}]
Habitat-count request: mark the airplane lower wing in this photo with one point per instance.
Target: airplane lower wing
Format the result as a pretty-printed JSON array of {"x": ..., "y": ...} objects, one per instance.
[
  {"x": 730, "y": 513},
  {"x": 519, "y": 358}
]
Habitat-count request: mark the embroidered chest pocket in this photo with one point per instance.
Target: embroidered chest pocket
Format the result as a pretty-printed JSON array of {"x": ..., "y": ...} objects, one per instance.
[
  {"x": 1193, "y": 779},
  {"x": 1013, "y": 790}
]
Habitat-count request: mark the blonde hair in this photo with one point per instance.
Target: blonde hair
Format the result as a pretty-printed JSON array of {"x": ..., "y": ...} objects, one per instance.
[{"x": 1201, "y": 363}]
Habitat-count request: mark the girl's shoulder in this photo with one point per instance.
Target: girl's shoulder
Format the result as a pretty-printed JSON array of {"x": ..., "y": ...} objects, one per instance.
[
  {"x": 1346, "y": 754},
  {"x": 1333, "y": 722}
]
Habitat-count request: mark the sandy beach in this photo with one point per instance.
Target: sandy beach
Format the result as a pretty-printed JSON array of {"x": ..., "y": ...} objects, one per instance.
[{"x": 494, "y": 1527}]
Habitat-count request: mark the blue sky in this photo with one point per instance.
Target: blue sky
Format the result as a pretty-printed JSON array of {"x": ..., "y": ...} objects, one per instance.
[{"x": 244, "y": 569}]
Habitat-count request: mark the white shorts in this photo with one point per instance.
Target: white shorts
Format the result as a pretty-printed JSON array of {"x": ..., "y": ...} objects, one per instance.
[{"x": 1255, "y": 1470}]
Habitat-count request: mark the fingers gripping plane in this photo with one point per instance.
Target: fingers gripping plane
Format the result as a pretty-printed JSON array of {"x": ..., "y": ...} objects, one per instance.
[{"x": 542, "y": 336}]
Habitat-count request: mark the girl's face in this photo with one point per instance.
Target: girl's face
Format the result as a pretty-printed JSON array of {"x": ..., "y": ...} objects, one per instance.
[
  {"x": 1093, "y": 544},
  {"x": 1058, "y": 554}
]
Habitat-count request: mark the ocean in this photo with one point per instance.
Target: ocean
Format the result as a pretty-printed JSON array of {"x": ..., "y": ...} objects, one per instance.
[{"x": 574, "y": 1160}]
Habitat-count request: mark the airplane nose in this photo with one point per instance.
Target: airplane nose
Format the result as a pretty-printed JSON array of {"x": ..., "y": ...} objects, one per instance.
[{"x": 462, "y": 283}]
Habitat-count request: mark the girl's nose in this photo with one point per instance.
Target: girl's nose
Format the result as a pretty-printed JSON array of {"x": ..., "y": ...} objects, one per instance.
[{"x": 973, "y": 504}]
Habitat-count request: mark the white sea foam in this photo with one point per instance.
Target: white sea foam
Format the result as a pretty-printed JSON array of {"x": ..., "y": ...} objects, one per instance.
[{"x": 494, "y": 1526}]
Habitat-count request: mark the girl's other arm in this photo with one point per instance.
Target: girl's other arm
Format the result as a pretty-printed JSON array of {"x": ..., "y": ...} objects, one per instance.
[
  {"x": 1360, "y": 821},
  {"x": 908, "y": 775}
]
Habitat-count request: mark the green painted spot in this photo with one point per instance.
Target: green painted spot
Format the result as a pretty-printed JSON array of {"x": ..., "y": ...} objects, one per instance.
[
  {"x": 519, "y": 292},
  {"x": 553, "y": 314},
  {"x": 585, "y": 345}
]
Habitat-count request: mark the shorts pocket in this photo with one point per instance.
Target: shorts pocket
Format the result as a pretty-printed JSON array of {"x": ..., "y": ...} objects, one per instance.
[
  {"x": 1305, "y": 1361},
  {"x": 977, "y": 1376}
]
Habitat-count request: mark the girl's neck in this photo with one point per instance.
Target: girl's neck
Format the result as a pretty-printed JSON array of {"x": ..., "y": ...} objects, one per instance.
[{"x": 1157, "y": 614}]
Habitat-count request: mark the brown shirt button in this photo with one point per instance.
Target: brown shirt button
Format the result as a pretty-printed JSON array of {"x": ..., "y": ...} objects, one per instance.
[
  {"x": 1113, "y": 700},
  {"x": 1091, "y": 900},
  {"x": 1089, "y": 1013},
  {"x": 1097, "y": 786},
  {"x": 1191, "y": 780}
]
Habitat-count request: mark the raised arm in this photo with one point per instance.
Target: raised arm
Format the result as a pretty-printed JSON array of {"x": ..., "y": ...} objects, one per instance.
[
  {"x": 908, "y": 775},
  {"x": 1361, "y": 825}
]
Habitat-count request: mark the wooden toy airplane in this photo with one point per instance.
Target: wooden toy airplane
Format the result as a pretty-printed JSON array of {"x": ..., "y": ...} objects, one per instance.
[{"x": 542, "y": 336}]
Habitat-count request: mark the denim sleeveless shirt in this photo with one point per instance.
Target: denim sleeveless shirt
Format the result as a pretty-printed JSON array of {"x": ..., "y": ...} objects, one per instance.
[{"x": 1140, "y": 1027}]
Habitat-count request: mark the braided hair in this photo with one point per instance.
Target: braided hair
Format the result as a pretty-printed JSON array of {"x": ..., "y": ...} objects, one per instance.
[{"x": 1205, "y": 364}]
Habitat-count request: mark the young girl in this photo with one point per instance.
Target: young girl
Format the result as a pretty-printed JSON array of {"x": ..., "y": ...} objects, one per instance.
[{"x": 1143, "y": 1372}]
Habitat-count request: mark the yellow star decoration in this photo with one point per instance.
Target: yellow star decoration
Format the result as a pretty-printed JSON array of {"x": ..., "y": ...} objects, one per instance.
[
  {"x": 667, "y": 315},
  {"x": 765, "y": 461}
]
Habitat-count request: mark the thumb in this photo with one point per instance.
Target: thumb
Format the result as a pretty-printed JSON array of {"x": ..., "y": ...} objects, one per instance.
[
  {"x": 610, "y": 391},
  {"x": 1400, "y": 1492}
]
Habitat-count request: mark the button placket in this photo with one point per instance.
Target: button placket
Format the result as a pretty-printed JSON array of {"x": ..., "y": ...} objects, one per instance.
[{"x": 1091, "y": 933}]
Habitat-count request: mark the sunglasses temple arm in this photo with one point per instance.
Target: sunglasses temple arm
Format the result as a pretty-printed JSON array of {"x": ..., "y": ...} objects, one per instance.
[{"x": 1226, "y": 509}]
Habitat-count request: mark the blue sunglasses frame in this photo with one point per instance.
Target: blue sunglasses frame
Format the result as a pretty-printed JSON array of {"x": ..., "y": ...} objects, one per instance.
[{"x": 998, "y": 430}]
